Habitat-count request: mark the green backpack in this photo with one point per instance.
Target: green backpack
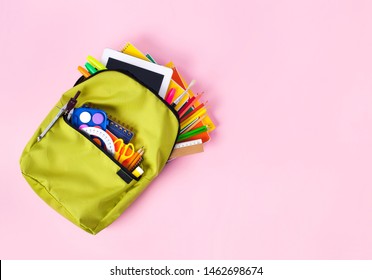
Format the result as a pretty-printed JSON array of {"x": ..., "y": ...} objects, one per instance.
[{"x": 80, "y": 180}]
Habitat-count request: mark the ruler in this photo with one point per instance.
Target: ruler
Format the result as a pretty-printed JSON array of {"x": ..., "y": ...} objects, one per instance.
[{"x": 187, "y": 148}]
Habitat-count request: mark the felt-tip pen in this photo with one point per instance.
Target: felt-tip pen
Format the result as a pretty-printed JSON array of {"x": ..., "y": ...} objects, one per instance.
[
  {"x": 90, "y": 68},
  {"x": 83, "y": 71},
  {"x": 95, "y": 63}
]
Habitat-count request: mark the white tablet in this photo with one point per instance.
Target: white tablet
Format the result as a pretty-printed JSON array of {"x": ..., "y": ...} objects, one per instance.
[{"x": 153, "y": 76}]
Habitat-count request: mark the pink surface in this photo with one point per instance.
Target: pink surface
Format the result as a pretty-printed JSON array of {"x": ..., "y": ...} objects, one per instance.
[{"x": 287, "y": 174}]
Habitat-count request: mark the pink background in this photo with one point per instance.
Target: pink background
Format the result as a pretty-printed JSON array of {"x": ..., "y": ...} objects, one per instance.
[{"x": 287, "y": 174}]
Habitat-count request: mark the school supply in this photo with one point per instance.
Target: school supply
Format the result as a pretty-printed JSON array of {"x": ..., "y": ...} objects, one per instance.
[
  {"x": 136, "y": 159},
  {"x": 63, "y": 111},
  {"x": 170, "y": 95},
  {"x": 189, "y": 105},
  {"x": 192, "y": 133},
  {"x": 153, "y": 76},
  {"x": 123, "y": 151},
  {"x": 194, "y": 115},
  {"x": 194, "y": 124},
  {"x": 83, "y": 71},
  {"x": 183, "y": 94},
  {"x": 190, "y": 114},
  {"x": 187, "y": 148},
  {"x": 150, "y": 58},
  {"x": 189, "y": 125},
  {"x": 138, "y": 171},
  {"x": 120, "y": 131},
  {"x": 101, "y": 138},
  {"x": 175, "y": 81},
  {"x": 95, "y": 63},
  {"x": 207, "y": 120},
  {"x": 114, "y": 127},
  {"x": 112, "y": 136},
  {"x": 179, "y": 90},
  {"x": 90, "y": 68},
  {"x": 131, "y": 50},
  {"x": 84, "y": 117}
]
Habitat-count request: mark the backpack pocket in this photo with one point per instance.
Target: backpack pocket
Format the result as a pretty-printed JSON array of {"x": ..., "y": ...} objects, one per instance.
[
  {"x": 80, "y": 180},
  {"x": 77, "y": 175}
]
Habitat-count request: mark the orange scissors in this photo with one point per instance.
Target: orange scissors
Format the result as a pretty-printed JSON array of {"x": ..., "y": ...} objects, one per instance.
[{"x": 121, "y": 150}]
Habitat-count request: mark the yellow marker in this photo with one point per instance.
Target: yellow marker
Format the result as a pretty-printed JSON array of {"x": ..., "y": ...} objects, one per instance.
[{"x": 96, "y": 64}]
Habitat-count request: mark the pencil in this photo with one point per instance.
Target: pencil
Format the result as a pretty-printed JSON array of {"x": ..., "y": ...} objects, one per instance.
[
  {"x": 187, "y": 126},
  {"x": 136, "y": 159},
  {"x": 195, "y": 115},
  {"x": 193, "y": 111},
  {"x": 136, "y": 162},
  {"x": 194, "y": 124},
  {"x": 188, "y": 105}
]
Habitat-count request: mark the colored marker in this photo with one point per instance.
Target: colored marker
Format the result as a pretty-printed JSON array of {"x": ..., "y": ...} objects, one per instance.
[
  {"x": 192, "y": 133},
  {"x": 90, "y": 68},
  {"x": 170, "y": 95},
  {"x": 95, "y": 63},
  {"x": 83, "y": 71}
]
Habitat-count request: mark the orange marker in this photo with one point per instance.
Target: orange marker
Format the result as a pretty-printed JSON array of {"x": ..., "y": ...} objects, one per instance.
[{"x": 83, "y": 71}]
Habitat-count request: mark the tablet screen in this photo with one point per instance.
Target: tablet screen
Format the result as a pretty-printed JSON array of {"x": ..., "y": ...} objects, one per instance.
[{"x": 150, "y": 79}]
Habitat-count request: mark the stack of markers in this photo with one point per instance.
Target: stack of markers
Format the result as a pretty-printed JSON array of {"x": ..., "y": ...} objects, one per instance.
[{"x": 91, "y": 67}]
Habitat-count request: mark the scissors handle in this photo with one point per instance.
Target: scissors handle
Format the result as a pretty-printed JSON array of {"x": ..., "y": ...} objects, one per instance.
[
  {"x": 123, "y": 152},
  {"x": 118, "y": 143}
]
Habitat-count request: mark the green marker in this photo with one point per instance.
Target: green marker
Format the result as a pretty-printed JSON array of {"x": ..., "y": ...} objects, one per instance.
[
  {"x": 90, "y": 68},
  {"x": 192, "y": 133}
]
